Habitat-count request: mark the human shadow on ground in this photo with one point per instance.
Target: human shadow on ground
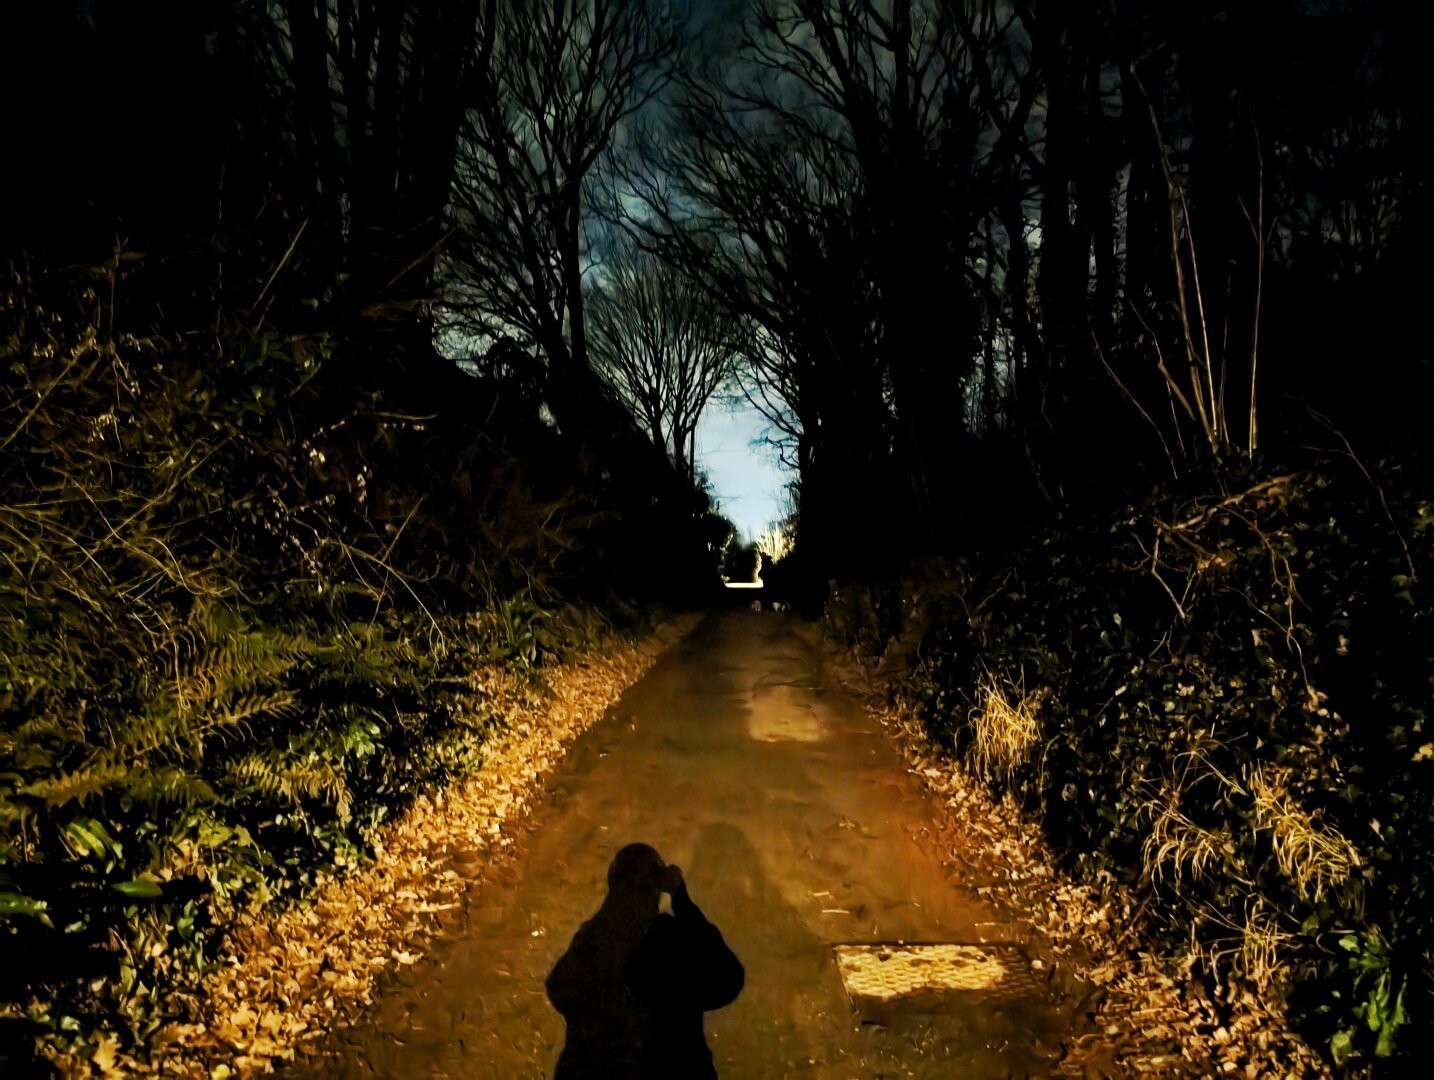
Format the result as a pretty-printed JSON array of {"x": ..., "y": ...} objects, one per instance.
[
  {"x": 793, "y": 1009},
  {"x": 634, "y": 983}
]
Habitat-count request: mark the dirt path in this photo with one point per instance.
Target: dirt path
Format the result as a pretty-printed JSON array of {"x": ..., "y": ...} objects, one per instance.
[{"x": 798, "y": 829}]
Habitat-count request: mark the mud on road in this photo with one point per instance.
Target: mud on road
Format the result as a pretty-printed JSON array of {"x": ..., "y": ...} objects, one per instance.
[{"x": 802, "y": 837}]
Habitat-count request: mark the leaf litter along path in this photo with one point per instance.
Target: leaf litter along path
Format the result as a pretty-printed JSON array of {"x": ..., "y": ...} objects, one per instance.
[{"x": 799, "y": 829}]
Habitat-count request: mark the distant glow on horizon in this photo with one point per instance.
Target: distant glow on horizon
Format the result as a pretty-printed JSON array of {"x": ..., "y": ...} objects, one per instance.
[{"x": 748, "y": 482}]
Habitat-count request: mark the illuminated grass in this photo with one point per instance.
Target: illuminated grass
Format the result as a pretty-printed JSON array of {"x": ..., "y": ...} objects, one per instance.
[
  {"x": 1004, "y": 728},
  {"x": 1177, "y": 849},
  {"x": 1312, "y": 855}
]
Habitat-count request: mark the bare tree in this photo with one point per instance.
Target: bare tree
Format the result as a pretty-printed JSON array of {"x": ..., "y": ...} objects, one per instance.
[
  {"x": 828, "y": 186},
  {"x": 658, "y": 341},
  {"x": 562, "y": 77}
]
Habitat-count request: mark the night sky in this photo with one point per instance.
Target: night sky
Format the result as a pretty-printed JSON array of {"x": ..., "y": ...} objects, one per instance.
[
  {"x": 747, "y": 479},
  {"x": 744, "y": 474}
]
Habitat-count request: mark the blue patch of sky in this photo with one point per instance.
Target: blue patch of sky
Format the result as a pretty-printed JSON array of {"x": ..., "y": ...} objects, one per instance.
[{"x": 743, "y": 473}]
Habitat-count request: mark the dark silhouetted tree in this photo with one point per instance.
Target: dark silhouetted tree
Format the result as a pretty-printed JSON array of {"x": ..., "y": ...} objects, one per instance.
[
  {"x": 558, "y": 81},
  {"x": 661, "y": 345},
  {"x": 827, "y": 187}
]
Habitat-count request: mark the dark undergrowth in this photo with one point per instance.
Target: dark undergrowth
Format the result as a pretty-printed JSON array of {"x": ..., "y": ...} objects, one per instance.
[
  {"x": 243, "y": 601},
  {"x": 1223, "y": 700}
]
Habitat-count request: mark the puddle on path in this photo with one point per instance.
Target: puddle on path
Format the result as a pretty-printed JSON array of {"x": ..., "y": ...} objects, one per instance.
[{"x": 798, "y": 830}]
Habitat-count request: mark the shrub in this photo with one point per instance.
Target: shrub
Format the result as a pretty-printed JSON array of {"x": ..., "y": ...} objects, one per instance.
[
  {"x": 232, "y": 638},
  {"x": 1234, "y": 693}
]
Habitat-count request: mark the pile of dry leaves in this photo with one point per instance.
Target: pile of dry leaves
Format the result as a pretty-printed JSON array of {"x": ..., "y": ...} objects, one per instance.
[
  {"x": 1146, "y": 1015},
  {"x": 286, "y": 978}
]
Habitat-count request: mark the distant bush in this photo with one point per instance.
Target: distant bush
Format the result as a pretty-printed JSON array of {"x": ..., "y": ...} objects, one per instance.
[{"x": 1223, "y": 700}]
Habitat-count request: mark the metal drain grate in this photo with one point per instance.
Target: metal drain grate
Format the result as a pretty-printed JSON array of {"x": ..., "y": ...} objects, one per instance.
[{"x": 888, "y": 972}]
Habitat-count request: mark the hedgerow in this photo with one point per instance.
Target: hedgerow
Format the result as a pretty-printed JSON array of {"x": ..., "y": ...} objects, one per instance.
[
  {"x": 243, "y": 605},
  {"x": 1221, "y": 699}
]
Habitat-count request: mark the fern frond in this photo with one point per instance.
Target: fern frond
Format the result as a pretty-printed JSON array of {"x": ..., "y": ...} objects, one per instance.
[
  {"x": 248, "y": 707},
  {"x": 292, "y": 781},
  {"x": 76, "y": 786},
  {"x": 155, "y": 786}
]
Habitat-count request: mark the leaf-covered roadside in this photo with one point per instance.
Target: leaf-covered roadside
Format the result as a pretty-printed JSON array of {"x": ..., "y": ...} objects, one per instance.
[
  {"x": 286, "y": 978},
  {"x": 1220, "y": 703},
  {"x": 1142, "y": 1018},
  {"x": 244, "y": 599}
]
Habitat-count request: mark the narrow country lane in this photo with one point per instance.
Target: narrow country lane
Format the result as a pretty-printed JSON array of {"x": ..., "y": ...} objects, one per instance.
[{"x": 798, "y": 829}]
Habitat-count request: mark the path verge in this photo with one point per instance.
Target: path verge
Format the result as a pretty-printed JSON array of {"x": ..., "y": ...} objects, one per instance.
[
  {"x": 286, "y": 978},
  {"x": 1144, "y": 1016}
]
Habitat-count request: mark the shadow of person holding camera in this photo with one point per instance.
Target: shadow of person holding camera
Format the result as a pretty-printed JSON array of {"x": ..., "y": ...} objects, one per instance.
[{"x": 635, "y": 981}]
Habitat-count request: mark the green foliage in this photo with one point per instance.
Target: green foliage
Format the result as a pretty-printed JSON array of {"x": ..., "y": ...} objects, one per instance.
[
  {"x": 227, "y": 646},
  {"x": 516, "y": 630},
  {"x": 1381, "y": 1007},
  {"x": 1234, "y": 719}
]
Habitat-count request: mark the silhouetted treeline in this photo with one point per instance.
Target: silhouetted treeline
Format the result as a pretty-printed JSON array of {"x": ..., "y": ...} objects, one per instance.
[
  {"x": 991, "y": 254},
  {"x": 405, "y": 180},
  {"x": 977, "y": 256}
]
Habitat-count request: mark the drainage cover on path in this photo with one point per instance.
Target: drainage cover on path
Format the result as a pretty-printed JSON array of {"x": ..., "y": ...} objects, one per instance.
[{"x": 881, "y": 973}]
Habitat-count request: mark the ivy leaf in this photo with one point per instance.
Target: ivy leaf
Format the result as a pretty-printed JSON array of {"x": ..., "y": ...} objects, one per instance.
[
  {"x": 138, "y": 888},
  {"x": 12, "y": 904},
  {"x": 92, "y": 838},
  {"x": 1340, "y": 1045}
]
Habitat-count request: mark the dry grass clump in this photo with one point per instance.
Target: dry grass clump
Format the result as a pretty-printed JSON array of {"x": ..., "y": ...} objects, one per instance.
[
  {"x": 1257, "y": 946},
  {"x": 1177, "y": 849},
  {"x": 1004, "y": 728},
  {"x": 1263, "y": 946},
  {"x": 1312, "y": 855}
]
